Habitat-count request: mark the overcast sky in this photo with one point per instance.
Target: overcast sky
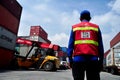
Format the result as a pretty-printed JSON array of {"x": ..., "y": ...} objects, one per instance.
[{"x": 57, "y": 16}]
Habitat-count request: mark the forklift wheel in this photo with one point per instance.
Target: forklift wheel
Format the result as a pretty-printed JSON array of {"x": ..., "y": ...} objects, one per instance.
[{"x": 48, "y": 66}]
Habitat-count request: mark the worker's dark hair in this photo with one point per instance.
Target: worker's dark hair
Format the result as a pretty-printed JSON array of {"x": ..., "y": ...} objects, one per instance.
[{"x": 85, "y": 15}]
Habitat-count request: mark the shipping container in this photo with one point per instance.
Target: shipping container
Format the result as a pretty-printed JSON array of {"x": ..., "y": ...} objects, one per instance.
[
  {"x": 7, "y": 39},
  {"x": 10, "y": 13},
  {"x": 39, "y": 39},
  {"x": 113, "y": 61},
  {"x": 38, "y": 31},
  {"x": 115, "y": 40},
  {"x": 112, "y": 56},
  {"x": 6, "y": 57},
  {"x": 64, "y": 49},
  {"x": 61, "y": 54}
]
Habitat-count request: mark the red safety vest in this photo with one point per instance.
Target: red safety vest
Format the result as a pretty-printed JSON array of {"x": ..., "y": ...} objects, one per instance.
[{"x": 86, "y": 39}]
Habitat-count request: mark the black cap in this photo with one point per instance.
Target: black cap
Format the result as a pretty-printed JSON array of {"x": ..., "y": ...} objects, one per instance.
[{"x": 85, "y": 14}]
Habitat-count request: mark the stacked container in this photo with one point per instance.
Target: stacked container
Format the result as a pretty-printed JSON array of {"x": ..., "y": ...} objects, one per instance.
[
  {"x": 38, "y": 34},
  {"x": 10, "y": 13}
]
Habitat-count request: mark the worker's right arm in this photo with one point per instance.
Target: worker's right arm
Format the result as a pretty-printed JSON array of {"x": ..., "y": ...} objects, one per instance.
[
  {"x": 70, "y": 48},
  {"x": 101, "y": 50}
]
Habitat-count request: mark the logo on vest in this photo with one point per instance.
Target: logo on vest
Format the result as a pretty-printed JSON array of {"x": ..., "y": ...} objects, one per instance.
[{"x": 85, "y": 34}]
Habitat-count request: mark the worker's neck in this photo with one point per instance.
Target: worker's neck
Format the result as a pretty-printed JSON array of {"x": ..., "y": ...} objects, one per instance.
[{"x": 84, "y": 20}]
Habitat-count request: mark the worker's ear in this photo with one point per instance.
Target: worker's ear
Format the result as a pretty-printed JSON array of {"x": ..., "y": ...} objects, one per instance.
[{"x": 80, "y": 19}]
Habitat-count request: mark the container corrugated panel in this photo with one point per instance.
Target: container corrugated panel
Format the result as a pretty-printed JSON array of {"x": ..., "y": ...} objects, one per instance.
[
  {"x": 8, "y": 21},
  {"x": 13, "y": 7},
  {"x": 43, "y": 34},
  {"x": 115, "y": 40},
  {"x": 7, "y": 39},
  {"x": 5, "y": 57},
  {"x": 38, "y": 31},
  {"x": 34, "y": 31},
  {"x": 42, "y": 31},
  {"x": 60, "y": 54},
  {"x": 56, "y": 47},
  {"x": 106, "y": 53},
  {"x": 9, "y": 17}
]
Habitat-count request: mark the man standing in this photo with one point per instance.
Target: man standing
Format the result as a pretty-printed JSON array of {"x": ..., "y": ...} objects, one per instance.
[{"x": 85, "y": 49}]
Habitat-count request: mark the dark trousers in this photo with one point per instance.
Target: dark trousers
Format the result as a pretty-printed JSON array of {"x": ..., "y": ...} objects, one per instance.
[{"x": 91, "y": 68}]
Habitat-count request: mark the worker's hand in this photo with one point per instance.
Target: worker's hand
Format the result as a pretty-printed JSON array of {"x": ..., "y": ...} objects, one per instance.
[
  {"x": 70, "y": 61},
  {"x": 70, "y": 64}
]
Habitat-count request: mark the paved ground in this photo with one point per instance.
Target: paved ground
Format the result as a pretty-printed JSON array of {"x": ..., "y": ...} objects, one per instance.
[{"x": 43, "y": 75}]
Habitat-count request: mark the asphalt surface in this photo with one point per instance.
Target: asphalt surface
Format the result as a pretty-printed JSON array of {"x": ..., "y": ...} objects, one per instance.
[{"x": 46, "y": 75}]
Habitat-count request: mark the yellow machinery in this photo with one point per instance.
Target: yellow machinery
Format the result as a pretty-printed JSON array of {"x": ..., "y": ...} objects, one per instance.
[{"x": 43, "y": 55}]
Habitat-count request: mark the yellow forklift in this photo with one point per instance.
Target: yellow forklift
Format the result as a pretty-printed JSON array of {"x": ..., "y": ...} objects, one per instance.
[{"x": 43, "y": 55}]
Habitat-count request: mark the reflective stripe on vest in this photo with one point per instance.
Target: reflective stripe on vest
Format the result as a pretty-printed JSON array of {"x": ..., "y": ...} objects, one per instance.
[
  {"x": 85, "y": 28},
  {"x": 86, "y": 42}
]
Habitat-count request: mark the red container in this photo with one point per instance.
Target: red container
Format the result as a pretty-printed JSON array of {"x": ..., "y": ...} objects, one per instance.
[
  {"x": 60, "y": 54},
  {"x": 6, "y": 57},
  {"x": 38, "y": 31},
  {"x": 106, "y": 53},
  {"x": 115, "y": 40},
  {"x": 10, "y": 13},
  {"x": 56, "y": 47}
]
